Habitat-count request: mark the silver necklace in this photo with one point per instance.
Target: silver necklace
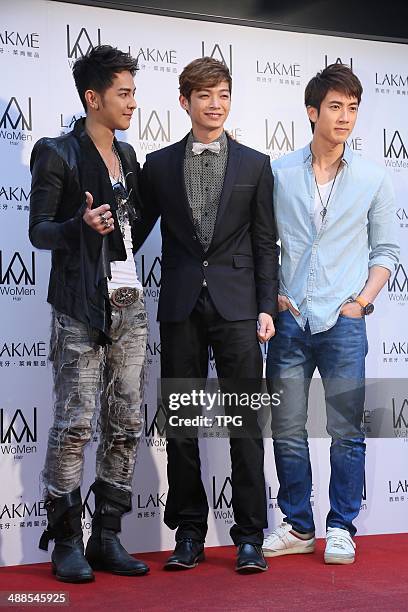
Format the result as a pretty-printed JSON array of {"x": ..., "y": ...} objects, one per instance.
[
  {"x": 323, "y": 212},
  {"x": 122, "y": 210}
]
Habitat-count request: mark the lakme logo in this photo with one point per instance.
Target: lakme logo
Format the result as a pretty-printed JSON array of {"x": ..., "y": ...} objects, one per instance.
[
  {"x": 67, "y": 123},
  {"x": 222, "y": 53},
  {"x": 398, "y": 285},
  {"x": 14, "y": 194},
  {"x": 80, "y": 43},
  {"x": 15, "y": 121},
  {"x": 153, "y": 130},
  {"x": 28, "y": 40},
  {"x": 272, "y": 499},
  {"x": 153, "y": 351},
  {"x": 395, "y": 351},
  {"x": 15, "y": 271},
  {"x": 278, "y": 69},
  {"x": 398, "y": 486},
  {"x": 23, "y": 510},
  {"x": 395, "y": 151},
  {"x": 16, "y": 433},
  {"x": 151, "y": 501},
  {"x": 356, "y": 144},
  {"x": 222, "y": 500},
  {"x": 400, "y": 417},
  {"x": 338, "y": 60},
  {"x": 391, "y": 80},
  {"x": 157, "y": 56},
  {"x": 395, "y": 348},
  {"x": 279, "y": 139},
  {"x": 18, "y": 350}
]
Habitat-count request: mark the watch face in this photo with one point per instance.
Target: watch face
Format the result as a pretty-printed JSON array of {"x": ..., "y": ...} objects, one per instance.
[{"x": 369, "y": 309}]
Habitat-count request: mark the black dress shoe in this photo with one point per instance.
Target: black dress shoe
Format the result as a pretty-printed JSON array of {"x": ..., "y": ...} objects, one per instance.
[
  {"x": 187, "y": 554},
  {"x": 250, "y": 559}
]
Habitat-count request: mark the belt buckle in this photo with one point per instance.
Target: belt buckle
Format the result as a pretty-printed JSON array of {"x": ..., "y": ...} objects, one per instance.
[{"x": 124, "y": 296}]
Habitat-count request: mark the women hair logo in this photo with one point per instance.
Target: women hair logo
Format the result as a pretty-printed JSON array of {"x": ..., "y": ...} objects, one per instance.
[{"x": 82, "y": 44}]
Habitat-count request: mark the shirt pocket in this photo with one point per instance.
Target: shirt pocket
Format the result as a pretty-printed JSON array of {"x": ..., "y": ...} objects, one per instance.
[{"x": 248, "y": 188}]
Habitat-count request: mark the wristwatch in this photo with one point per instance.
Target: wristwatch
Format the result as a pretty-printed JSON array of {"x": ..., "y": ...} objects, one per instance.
[{"x": 366, "y": 307}]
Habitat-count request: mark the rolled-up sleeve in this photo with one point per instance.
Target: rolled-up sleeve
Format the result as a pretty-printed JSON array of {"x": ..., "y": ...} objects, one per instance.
[{"x": 383, "y": 228}]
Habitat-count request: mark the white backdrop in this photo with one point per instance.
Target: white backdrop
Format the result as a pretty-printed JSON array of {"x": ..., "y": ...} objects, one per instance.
[{"x": 39, "y": 41}]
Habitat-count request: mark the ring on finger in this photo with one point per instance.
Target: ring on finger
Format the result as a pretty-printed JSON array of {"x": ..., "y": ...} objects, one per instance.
[{"x": 103, "y": 217}]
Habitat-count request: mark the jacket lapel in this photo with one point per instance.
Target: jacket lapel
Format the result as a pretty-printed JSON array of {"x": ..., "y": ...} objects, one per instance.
[
  {"x": 180, "y": 200},
  {"x": 177, "y": 183},
  {"x": 234, "y": 158}
]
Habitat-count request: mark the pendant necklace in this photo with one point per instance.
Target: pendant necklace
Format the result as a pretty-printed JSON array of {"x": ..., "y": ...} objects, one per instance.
[{"x": 323, "y": 212}]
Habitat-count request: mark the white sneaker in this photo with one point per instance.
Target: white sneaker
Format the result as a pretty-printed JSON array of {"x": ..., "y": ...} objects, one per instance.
[
  {"x": 340, "y": 547},
  {"x": 281, "y": 542}
]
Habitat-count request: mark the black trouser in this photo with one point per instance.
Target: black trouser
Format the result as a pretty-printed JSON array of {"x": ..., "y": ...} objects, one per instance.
[{"x": 184, "y": 355}]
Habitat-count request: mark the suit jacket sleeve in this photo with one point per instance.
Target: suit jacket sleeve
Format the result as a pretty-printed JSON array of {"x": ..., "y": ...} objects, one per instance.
[
  {"x": 265, "y": 248},
  {"x": 48, "y": 180},
  {"x": 150, "y": 209}
]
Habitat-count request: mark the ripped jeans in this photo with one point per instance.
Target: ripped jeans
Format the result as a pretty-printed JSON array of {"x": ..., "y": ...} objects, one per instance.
[{"x": 85, "y": 372}]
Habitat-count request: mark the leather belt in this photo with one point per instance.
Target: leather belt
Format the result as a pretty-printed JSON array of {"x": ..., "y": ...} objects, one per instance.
[{"x": 124, "y": 296}]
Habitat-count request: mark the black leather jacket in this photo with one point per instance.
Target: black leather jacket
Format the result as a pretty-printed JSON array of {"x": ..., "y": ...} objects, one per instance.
[{"x": 57, "y": 204}]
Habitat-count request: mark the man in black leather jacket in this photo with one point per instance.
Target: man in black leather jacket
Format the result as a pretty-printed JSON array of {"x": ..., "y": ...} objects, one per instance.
[{"x": 84, "y": 200}]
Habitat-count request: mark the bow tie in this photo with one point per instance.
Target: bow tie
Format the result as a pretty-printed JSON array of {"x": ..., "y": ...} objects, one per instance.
[{"x": 199, "y": 147}]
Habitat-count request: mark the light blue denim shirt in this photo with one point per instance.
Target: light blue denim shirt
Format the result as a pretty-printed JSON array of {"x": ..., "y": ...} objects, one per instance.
[{"x": 321, "y": 270}]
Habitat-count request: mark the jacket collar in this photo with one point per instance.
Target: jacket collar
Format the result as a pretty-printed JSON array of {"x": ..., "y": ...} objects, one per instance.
[{"x": 307, "y": 155}]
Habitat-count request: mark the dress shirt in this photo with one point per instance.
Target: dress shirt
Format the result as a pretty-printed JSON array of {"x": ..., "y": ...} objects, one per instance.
[
  {"x": 322, "y": 268},
  {"x": 204, "y": 179}
]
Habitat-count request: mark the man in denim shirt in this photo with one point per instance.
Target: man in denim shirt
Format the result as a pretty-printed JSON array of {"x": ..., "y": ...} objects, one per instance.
[{"x": 334, "y": 213}]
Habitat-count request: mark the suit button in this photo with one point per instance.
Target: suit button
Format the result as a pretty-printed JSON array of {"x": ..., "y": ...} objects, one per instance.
[
  {"x": 194, "y": 237},
  {"x": 205, "y": 264}
]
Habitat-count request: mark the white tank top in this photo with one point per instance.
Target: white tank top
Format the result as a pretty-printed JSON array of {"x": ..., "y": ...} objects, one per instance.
[{"x": 124, "y": 273}]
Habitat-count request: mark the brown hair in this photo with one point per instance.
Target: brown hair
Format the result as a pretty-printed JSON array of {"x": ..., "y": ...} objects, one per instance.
[
  {"x": 201, "y": 73},
  {"x": 336, "y": 76}
]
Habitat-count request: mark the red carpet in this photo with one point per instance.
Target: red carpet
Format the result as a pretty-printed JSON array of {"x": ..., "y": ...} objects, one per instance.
[{"x": 376, "y": 581}]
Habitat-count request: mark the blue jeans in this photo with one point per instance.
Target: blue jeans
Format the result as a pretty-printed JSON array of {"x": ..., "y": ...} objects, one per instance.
[
  {"x": 339, "y": 355},
  {"x": 86, "y": 377}
]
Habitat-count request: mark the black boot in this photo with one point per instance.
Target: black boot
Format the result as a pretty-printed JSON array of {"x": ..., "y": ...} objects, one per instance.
[
  {"x": 64, "y": 526},
  {"x": 104, "y": 550}
]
